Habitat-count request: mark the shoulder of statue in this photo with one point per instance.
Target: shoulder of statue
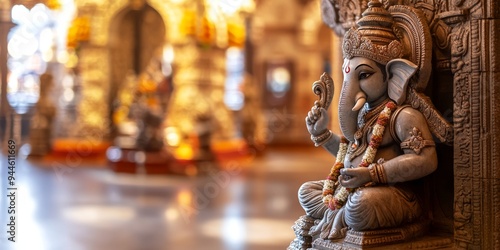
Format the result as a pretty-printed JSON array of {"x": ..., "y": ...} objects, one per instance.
[{"x": 404, "y": 114}]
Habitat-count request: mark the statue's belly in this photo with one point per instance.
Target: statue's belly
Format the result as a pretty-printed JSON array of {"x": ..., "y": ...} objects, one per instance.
[{"x": 388, "y": 152}]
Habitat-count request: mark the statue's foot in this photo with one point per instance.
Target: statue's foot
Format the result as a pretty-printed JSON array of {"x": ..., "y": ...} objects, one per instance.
[
  {"x": 332, "y": 225},
  {"x": 337, "y": 233}
]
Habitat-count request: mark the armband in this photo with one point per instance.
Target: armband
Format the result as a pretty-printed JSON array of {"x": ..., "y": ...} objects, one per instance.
[{"x": 416, "y": 142}]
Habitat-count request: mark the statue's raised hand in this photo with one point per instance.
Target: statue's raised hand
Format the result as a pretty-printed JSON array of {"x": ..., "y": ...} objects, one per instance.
[{"x": 317, "y": 120}]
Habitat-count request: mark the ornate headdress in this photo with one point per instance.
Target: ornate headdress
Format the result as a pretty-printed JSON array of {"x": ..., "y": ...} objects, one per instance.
[{"x": 374, "y": 38}]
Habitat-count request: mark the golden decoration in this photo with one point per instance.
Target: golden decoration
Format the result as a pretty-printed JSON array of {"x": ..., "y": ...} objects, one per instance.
[
  {"x": 53, "y": 4},
  {"x": 188, "y": 23},
  {"x": 206, "y": 32},
  {"x": 236, "y": 34},
  {"x": 78, "y": 32}
]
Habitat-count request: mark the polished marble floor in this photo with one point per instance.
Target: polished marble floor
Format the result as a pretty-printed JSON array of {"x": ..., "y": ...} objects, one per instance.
[{"x": 249, "y": 204}]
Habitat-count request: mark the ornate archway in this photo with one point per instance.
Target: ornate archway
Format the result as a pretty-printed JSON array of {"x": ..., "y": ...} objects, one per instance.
[{"x": 94, "y": 64}]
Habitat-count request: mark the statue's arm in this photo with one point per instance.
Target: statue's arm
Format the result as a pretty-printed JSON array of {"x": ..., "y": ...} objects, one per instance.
[
  {"x": 332, "y": 145},
  {"x": 419, "y": 158}
]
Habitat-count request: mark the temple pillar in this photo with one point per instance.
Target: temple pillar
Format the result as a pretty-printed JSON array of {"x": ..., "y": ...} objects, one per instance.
[
  {"x": 475, "y": 61},
  {"x": 92, "y": 120},
  {"x": 197, "y": 115},
  {"x": 197, "y": 104},
  {"x": 5, "y": 25}
]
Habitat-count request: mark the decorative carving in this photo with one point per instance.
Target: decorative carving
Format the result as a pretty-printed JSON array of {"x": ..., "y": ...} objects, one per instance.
[
  {"x": 411, "y": 27},
  {"x": 463, "y": 154},
  {"x": 416, "y": 142},
  {"x": 342, "y": 15},
  {"x": 425, "y": 243},
  {"x": 461, "y": 120},
  {"x": 382, "y": 237},
  {"x": 439, "y": 126},
  {"x": 463, "y": 212},
  {"x": 459, "y": 46},
  {"x": 324, "y": 89},
  {"x": 301, "y": 228},
  {"x": 355, "y": 45},
  {"x": 350, "y": 11}
]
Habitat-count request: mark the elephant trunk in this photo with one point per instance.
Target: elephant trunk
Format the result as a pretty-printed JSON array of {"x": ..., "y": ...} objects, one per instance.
[{"x": 352, "y": 100}]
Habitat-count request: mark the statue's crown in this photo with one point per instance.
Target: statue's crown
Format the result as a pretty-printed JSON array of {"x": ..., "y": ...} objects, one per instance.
[{"x": 374, "y": 37}]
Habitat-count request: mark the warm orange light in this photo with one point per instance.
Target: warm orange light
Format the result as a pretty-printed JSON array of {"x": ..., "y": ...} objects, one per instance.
[
  {"x": 120, "y": 114},
  {"x": 188, "y": 23},
  {"x": 206, "y": 32},
  {"x": 53, "y": 4},
  {"x": 236, "y": 34},
  {"x": 184, "y": 198},
  {"x": 184, "y": 152},
  {"x": 79, "y": 31}
]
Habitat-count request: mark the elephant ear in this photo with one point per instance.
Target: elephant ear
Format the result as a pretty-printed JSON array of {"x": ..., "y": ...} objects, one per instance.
[{"x": 399, "y": 72}]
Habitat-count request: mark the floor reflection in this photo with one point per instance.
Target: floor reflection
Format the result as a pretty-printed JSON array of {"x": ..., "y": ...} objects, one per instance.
[{"x": 87, "y": 206}]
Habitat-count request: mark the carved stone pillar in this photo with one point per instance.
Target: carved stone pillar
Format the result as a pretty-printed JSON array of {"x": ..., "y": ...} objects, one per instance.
[{"x": 475, "y": 39}]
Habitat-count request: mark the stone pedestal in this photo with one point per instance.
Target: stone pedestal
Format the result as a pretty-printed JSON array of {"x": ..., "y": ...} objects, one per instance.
[
  {"x": 386, "y": 236},
  {"x": 375, "y": 238},
  {"x": 301, "y": 228},
  {"x": 425, "y": 242},
  {"x": 413, "y": 236}
]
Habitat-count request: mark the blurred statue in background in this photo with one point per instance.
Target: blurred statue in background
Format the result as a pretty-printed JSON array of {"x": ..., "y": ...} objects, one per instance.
[
  {"x": 204, "y": 127},
  {"x": 252, "y": 122},
  {"x": 148, "y": 114},
  {"x": 42, "y": 121},
  {"x": 387, "y": 143},
  {"x": 141, "y": 108}
]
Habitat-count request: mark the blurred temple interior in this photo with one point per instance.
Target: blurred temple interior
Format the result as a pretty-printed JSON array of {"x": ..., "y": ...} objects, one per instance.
[
  {"x": 159, "y": 124},
  {"x": 175, "y": 124}
]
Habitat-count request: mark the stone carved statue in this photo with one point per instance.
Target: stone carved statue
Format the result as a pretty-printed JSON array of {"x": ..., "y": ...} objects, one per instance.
[{"x": 387, "y": 139}]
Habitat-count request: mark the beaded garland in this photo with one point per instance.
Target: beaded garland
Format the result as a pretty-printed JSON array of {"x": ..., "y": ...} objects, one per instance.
[{"x": 335, "y": 195}]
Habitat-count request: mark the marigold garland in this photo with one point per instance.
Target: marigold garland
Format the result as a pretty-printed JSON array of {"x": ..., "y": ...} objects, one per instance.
[{"x": 335, "y": 195}]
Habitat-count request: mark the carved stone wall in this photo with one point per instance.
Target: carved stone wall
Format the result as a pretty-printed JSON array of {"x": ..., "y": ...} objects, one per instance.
[
  {"x": 466, "y": 54},
  {"x": 474, "y": 51}
]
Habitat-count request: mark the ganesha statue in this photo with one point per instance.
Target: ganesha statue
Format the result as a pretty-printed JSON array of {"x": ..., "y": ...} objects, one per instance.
[{"x": 388, "y": 136}]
